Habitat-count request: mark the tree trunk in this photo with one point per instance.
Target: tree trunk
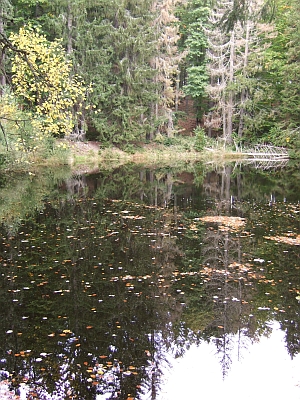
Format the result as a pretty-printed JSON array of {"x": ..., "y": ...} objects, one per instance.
[
  {"x": 244, "y": 94},
  {"x": 230, "y": 105},
  {"x": 69, "y": 28},
  {"x": 2, "y": 56}
]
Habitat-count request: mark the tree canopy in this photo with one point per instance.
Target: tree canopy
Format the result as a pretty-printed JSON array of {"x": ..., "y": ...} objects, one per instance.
[
  {"x": 117, "y": 71},
  {"x": 41, "y": 75}
]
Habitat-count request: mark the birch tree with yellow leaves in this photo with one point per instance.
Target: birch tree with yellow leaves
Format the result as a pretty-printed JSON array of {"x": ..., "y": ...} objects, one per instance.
[{"x": 42, "y": 77}]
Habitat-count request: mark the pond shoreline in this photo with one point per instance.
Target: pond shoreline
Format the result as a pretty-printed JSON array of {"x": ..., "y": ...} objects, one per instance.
[
  {"x": 87, "y": 156},
  {"x": 91, "y": 156},
  {"x": 112, "y": 257}
]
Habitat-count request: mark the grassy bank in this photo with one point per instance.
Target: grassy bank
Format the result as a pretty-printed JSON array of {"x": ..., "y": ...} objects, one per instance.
[
  {"x": 91, "y": 153},
  {"x": 90, "y": 156}
]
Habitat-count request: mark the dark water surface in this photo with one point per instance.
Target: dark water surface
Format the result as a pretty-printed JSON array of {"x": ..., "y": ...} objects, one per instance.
[{"x": 106, "y": 277}]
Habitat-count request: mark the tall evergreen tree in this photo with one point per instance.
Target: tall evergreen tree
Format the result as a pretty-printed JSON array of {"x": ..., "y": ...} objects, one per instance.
[
  {"x": 166, "y": 64},
  {"x": 132, "y": 41},
  {"x": 229, "y": 52},
  {"x": 194, "y": 77},
  {"x": 267, "y": 78},
  {"x": 112, "y": 43},
  {"x": 290, "y": 94},
  {"x": 222, "y": 65}
]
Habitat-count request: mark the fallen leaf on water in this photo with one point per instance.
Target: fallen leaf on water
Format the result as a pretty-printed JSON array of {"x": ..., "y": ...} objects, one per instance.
[
  {"x": 231, "y": 222},
  {"x": 288, "y": 239}
]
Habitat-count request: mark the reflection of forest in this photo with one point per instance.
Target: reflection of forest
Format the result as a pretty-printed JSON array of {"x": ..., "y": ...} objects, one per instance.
[
  {"x": 111, "y": 263},
  {"x": 139, "y": 273},
  {"x": 218, "y": 183},
  {"x": 226, "y": 185},
  {"x": 229, "y": 281},
  {"x": 241, "y": 292}
]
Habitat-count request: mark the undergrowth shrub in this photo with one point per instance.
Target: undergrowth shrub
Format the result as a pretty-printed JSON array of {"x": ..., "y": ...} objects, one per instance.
[{"x": 200, "y": 138}]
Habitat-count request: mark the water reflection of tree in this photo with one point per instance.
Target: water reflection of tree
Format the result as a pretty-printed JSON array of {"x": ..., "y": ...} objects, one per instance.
[
  {"x": 98, "y": 305},
  {"x": 78, "y": 259},
  {"x": 242, "y": 294},
  {"x": 219, "y": 183},
  {"x": 225, "y": 283},
  {"x": 281, "y": 264},
  {"x": 228, "y": 281},
  {"x": 156, "y": 187}
]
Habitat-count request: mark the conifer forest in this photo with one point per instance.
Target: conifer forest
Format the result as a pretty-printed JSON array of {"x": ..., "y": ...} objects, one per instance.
[
  {"x": 121, "y": 71},
  {"x": 149, "y": 199}
]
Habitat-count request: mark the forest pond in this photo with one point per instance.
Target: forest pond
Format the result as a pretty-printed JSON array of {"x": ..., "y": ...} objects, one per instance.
[{"x": 151, "y": 283}]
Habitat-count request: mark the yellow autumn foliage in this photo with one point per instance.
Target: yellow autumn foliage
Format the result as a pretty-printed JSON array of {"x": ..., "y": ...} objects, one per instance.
[
  {"x": 17, "y": 132},
  {"x": 42, "y": 76},
  {"x": 8, "y": 107}
]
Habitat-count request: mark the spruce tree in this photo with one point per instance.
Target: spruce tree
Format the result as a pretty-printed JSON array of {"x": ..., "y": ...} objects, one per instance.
[
  {"x": 290, "y": 74},
  {"x": 231, "y": 41},
  {"x": 221, "y": 66},
  {"x": 193, "y": 17},
  {"x": 129, "y": 87},
  {"x": 112, "y": 43},
  {"x": 166, "y": 63}
]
